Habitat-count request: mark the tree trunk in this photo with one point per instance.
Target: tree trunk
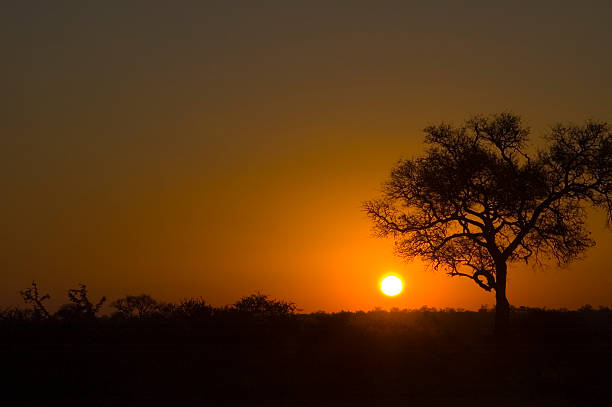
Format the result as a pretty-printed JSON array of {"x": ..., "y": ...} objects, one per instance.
[{"x": 502, "y": 306}]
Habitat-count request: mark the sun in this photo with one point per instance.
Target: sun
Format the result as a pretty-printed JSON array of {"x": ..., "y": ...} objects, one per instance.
[{"x": 391, "y": 285}]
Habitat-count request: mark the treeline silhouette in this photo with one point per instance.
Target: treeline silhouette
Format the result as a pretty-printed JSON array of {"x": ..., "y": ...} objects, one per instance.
[
  {"x": 262, "y": 351},
  {"x": 131, "y": 307}
]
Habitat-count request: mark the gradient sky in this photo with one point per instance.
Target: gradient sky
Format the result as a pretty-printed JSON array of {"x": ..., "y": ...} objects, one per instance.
[{"x": 218, "y": 148}]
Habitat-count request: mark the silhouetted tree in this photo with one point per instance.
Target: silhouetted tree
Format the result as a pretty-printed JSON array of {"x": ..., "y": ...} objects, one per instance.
[
  {"x": 478, "y": 200},
  {"x": 135, "y": 306},
  {"x": 80, "y": 307},
  {"x": 261, "y": 305},
  {"x": 32, "y": 297}
]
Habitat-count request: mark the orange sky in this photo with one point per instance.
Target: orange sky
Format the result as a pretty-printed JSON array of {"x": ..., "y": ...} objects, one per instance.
[{"x": 219, "y": 149}]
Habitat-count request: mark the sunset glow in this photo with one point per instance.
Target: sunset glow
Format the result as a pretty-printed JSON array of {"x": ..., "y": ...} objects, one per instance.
[{"x": 235, "y": 143}]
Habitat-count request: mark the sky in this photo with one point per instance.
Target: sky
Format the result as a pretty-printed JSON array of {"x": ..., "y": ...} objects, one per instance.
[{"x": 218, "y": 148}]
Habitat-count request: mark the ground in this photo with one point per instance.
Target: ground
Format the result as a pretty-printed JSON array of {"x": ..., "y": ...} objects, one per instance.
[{"x": 425, "y": 357}]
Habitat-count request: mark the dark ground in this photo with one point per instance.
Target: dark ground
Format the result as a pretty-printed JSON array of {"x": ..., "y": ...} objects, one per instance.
[{"x": 417, "y": 358}]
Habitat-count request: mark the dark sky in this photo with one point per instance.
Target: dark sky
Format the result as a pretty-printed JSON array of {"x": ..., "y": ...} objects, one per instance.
[{"x": 218, "y": 148}]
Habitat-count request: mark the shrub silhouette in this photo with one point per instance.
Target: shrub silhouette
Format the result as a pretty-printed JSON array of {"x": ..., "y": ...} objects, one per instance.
[
  {"x": 80, "y": 307},
  {"x": 260, "y": 305},
  {"x": 135, "y": 306},
  {"x": 32, "y": 297},
  {"x": 192, "y": 308},
  {"x": 15, "y": 314}
]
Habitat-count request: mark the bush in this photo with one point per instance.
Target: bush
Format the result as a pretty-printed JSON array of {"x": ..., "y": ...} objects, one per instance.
[
  {"x": 80, "y": 307},
  {"x": 261, "y": 306},
  {"x": 32, "y": 297},
  {"x": 193, "y": 308},
  {"x": 135, "y": 306}
]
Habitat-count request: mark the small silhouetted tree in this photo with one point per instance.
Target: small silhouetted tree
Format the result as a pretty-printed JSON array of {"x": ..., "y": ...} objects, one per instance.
[
  {"x": 135, "y": 306},
  {"x": 478, "y": 200},
  {"x": 80, "y": 307},
  {"x": 32, "y": 297},
  {"x": 261, "y": 305},
  {"x": 192, "y": 308}
]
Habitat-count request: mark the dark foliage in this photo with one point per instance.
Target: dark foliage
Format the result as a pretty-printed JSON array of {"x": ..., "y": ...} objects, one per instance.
[
  {"x": 260, "y": 305},
  {"x": 32, "y": 297},
  {"x": 260, "y": 352},
  {"x": 80, "y": 307},
  {"x": 192, "y": 309},
  {"x": 135, "y": 306}
]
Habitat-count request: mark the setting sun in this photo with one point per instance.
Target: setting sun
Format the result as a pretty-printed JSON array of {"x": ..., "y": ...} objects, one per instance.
[{"x": 391, "y": 285}]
